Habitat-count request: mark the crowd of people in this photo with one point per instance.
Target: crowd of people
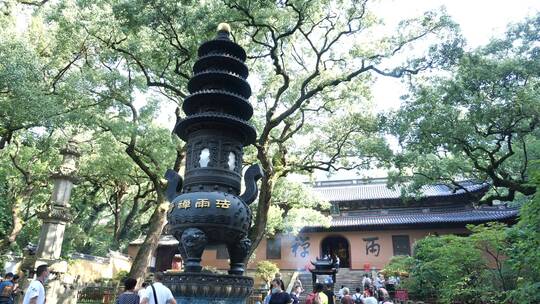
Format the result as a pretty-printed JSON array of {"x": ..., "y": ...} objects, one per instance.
[
  {"x": 376, "y": 290},
  {"x": 149, "y": 293},
  {"x": 324, "y": 294},
  {"x": 9, "y": 288},
  {"x": 34, "y": 293}
]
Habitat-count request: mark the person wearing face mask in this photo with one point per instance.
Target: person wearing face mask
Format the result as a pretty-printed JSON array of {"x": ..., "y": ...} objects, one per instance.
[
  {"x": 35, "y": 294},
  {"x": 278, "y": 296}
]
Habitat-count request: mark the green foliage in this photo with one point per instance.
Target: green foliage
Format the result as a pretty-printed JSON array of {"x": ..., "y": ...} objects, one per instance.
[
  {"x": 25, "y": 186},
  {"x": 266, "y": 271},
  {"x": 399, "y": 265},
  {"x": 495, "y": 264},
  {"x": 524, "y": 256},
  {"x": 293, "y": 207},
  {"x": 447, "y": 268},
  {"x": 5, "y": 216},
  {"x": 121, "y": 276},
  {"x": 3, "y": 259},
  {"x": 29, "y": 234},
  {"x": 107, "y": 70},
  {"x": 483, "y": 122},
  {"x": 155, "y": 43}
]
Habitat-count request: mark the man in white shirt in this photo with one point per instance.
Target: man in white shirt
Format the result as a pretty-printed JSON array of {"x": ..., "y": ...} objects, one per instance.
[
  {"x": 379, "y": 281},
  {"x": 366, "y": 282},
  {"x": 142, "y": 290},
  {"x": 340, "y": 292},
  {"x": 163, "y": 294},
  {"x": 35, "y": 294}
]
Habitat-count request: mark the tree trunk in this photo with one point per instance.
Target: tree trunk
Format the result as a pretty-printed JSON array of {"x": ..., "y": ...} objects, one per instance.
[
  {"x": 118, "y": 196},
  {"x": 256, "y": 232},
  {"x": 90, "y": 223},
  {"x": 16, "y": 226},
  {"x": 130, "y": 219},
  {"x": 149, "y": 246}
]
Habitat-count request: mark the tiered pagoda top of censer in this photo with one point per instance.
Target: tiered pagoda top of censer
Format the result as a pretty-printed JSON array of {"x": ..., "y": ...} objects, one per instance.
[
  {"x": 216, "y": 127},
  {"x": 219, "y": 83}
]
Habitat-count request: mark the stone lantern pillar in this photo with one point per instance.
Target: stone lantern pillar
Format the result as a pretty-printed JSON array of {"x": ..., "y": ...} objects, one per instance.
[
  {"x": 54, "y": 217},
  {"x": 57, "y": 214},
  {"x": 208, "y": 208}
]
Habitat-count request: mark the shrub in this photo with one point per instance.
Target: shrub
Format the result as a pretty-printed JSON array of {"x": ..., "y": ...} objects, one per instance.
[
  {"x": 399, "y": 265},
  {"x": 266, "y": 270},
  {"x": 120, "y": 276},
  {"x": 447, "y": 268}
]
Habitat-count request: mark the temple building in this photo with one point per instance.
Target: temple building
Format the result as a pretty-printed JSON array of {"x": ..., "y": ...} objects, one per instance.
[{"x": 370, "y": 224}]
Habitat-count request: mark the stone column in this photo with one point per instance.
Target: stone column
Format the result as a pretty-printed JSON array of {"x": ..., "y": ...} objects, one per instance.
[
  {"x": 60, "y": 289},
  {"x": 57, "y": 213}
]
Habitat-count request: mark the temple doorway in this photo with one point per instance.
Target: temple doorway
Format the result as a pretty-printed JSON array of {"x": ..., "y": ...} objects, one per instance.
[{"x": 339, "y": 246}]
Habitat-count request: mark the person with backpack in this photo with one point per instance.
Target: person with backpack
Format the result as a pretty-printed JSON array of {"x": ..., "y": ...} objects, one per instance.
[
  {"x": 317, "y": 296},
  {"x": 340, "y": 292},
  {"x": 329, "y": 292},
  {"x": 358, "y": 296},
  {"x": 295, "y": 295},
  {"x": 8, "y": 288}
]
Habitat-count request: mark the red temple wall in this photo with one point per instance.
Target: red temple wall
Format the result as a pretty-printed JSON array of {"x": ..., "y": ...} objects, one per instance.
[
  {"x": 357, "y": 247},
  {"x": 290, "y": 261}
]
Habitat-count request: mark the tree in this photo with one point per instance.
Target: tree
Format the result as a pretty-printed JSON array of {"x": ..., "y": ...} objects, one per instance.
[
  {"x": 42, "y": 83},
  {"x": 25, "y": 182},
  {"x": 483, "y": 122},
  {"x": 313, "y": 77},
  {"x": 524, "y": 257},
  {"x": 112, "y": 194},
  {"x": 493, "y": 240},
  {"x": 313, "y": 60},
  {"x": 150, "y": 148},
  {"x": 399, "y": 266},
  {"x": 293, "y": 207},
  {"x": 447, "y": 268},
  {"x": 266, "y": 271}
]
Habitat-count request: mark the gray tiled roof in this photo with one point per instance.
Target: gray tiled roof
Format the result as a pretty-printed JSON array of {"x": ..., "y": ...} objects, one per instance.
[
  {"x": 417, "y": 216},
  {"x": 358, "y": 190}
]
